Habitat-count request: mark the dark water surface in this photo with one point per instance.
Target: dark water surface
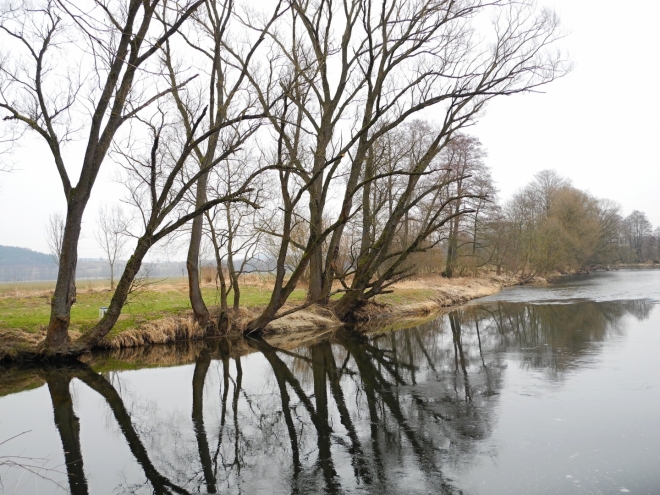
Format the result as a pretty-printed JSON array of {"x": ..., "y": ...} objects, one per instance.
[{"x": 531, "y": 391}]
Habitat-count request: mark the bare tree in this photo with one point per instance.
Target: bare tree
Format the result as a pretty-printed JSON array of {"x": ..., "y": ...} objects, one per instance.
[
  {"x": 353, "y": 73},
  {"x": 234, "y": 228},
  {"x": 55, "y": 236},
  {"x": 64, "y": 58},
  {"x": 656, "y": 237},
  {"x": 607, "y": 249},
  {"x": 429, "y": 197},
  {"x": 159, "y": 175},
  {"x": 465, "y": 159},
  {"x": 637, "y": 230},
  {"x": 110, "y": 235},
  {"x": 223, "y": 92}
]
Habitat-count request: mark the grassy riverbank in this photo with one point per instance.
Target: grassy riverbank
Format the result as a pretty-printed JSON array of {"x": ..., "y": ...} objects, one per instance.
[
  {"x": 160, "y": 313},
  {"x": 26, "y": 306}
]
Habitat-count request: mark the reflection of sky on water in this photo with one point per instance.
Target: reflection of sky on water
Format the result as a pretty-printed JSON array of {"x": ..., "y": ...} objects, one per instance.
[
  {"x": 599, "y": 286},
  {"x": 494, "y": 398},
  {"x": 595, "y": 433}
]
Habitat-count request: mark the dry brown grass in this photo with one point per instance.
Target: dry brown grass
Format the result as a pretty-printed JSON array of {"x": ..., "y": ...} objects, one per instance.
[
  {"x": 13, "y": 342},
  {"x": 162, "y": 331},
  {"x": 443, "y": 293},
  {"x": 307, "y": 319},
  {"x": 436, "y": 281}
]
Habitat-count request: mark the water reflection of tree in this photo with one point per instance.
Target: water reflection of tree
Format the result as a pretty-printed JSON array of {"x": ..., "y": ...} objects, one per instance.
[
  {"x": 346, "y": 412},
  {"x": 550, "y": 336},
  {"x": 354, "y": 380},
  {"x": 68, "y": 426}
]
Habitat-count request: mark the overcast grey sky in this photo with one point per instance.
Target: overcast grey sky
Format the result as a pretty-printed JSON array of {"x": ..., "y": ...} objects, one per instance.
[{"x": 598, "y": 126}]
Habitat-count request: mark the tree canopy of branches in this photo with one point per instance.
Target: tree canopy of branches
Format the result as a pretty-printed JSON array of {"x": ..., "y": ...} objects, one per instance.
[
  {"x": 65, "y": 59},
  {"x": 352, "y": 74},
  {"x": 304, "y": 125}
]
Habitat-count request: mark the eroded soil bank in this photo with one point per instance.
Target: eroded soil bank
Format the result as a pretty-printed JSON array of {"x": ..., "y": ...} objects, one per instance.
[{"x": 410, "y": 300}]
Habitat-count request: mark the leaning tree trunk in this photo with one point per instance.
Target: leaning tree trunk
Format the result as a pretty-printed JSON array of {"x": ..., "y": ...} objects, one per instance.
[
  {"x": 192, "y": 263},
  {"x": 278, "y": 298},
  {"x": 119, "y": 298}
]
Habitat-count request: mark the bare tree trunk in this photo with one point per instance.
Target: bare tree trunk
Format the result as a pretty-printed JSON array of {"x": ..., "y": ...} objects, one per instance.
[
  {"x": 315, "y": 291},
  {"x": 452, "y": 247},
  {"x": 223, "y": 318},
  {"x": 474, "y": 232},
  {"x": 192, "y": 262},
  {"x": 367, "y": 219},
  {"x": 233, "y": 276},
  {"x": 234, "y": 282},
  {"x": 281, "y": 291},
  {"x": 57, "y": 336}
]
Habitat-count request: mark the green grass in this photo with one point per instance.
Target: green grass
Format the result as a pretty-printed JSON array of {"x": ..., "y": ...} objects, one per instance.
[{"x": 27, "y": 306}]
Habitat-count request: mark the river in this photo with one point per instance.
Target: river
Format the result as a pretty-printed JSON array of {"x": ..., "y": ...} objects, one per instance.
[{"x": 535, "y": 390}]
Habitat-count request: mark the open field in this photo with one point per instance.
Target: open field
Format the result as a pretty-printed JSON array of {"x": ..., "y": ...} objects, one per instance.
[{"x": 26, "y": 306}]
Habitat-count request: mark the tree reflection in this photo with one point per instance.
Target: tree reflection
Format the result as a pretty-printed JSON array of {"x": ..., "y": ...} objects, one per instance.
[
  {"x": 68, "y": 426},
  {"x": 199, "y": 376},
  {"x": 95, "y": 381},
  {"x": 386, "y": 412}
]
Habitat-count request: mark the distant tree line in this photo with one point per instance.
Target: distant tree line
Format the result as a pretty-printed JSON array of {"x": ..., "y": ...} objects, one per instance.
[
  {"x": 332, "y": 132},
  {"x": 549, "y": 226}
]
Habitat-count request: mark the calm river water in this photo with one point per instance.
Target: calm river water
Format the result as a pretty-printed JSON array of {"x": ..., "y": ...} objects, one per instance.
[{"x": 535, "y": 390}]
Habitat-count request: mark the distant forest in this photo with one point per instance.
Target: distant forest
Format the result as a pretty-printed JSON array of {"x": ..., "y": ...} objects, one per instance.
[{"x": 548, "y": 226}]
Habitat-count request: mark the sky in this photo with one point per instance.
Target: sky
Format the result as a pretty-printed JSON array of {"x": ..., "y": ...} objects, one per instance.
[{"x": 598, "y": 126}]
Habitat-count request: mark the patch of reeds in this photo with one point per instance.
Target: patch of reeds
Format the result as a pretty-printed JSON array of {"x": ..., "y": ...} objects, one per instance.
[{"x": 162, "y": 331}]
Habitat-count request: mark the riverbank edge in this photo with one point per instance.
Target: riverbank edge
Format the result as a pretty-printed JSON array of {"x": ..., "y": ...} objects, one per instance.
[{"x": 445, "y": 295}]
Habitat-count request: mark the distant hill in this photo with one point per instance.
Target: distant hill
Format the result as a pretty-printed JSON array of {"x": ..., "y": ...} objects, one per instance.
[
  {"x": 15, "y": 256},
  {"x": 24, "y": 265}
]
